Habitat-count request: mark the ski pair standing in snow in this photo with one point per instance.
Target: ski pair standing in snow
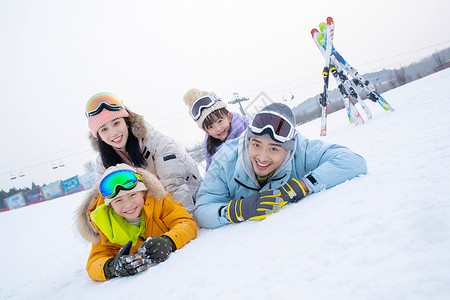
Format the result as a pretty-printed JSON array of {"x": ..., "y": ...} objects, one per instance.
[
  {"x": 210, "y": 114},
  {"x": 122, "y": 136},
  {"x": 268, "y": 166},
  {"x": 132, "y": 223},
  {"x": 337, "y": 64}
]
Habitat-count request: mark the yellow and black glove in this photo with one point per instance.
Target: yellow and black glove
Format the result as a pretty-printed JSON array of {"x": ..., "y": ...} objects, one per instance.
[
  {"x": 292, "y": 191},
  {"x": 255, "y": 207}
]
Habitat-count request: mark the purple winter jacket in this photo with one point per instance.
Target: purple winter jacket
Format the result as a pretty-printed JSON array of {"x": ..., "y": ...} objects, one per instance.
[{"x": 238, "y": 124}]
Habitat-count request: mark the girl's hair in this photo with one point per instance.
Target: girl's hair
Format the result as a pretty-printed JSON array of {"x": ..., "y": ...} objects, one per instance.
[
  {"x": 111, "y": 158},
  {"x": 213, "y": 143}
]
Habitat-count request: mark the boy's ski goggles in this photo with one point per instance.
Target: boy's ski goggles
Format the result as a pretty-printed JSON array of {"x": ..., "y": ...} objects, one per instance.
[
  {"x": 279, "y": 128},
  {"x": 201, "y": 104},
  {"x": 100, "y": 101},
  {"x": 118, "y": 180}
]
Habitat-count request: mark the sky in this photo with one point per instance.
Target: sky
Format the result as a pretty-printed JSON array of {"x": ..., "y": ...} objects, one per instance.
[
  {"x": 56, "y": 54},
  {"x": 383, "y": 235}
]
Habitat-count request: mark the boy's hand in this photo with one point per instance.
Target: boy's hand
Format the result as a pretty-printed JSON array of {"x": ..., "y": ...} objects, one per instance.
[
  {"x": 124, "y": 263},
  {"x": 157, "y": 248}
]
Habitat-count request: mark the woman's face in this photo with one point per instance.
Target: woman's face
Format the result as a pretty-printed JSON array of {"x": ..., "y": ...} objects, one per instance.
[
  {"x": 115, "y": 133},
  {"x": 220, "y": 128}
]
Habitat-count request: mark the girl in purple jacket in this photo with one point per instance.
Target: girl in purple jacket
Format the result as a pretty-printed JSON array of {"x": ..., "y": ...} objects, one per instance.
[{"x": 211, "y": 115}]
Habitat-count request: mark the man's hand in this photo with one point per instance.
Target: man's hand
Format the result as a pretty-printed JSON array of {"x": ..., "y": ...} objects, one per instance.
[
  {"x": 292, "y": 191},
  {"x": 255, "y": 207}
]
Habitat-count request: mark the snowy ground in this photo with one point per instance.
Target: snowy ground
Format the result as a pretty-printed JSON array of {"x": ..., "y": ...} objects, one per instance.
[{"x": 385, "y": 235}]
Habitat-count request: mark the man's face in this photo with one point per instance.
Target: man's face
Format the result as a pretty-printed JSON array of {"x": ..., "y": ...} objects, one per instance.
[{"x": 265, "y": 155}]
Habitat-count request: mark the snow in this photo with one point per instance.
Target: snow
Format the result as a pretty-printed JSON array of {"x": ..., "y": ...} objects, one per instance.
[{"x": 384, "y": 235}]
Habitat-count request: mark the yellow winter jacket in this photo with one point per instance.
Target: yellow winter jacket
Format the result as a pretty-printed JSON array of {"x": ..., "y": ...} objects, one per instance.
[{"x": 163, "y": 216}]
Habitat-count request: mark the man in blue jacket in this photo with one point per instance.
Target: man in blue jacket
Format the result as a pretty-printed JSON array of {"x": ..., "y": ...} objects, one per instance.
[{"x": 270, "y": 165}]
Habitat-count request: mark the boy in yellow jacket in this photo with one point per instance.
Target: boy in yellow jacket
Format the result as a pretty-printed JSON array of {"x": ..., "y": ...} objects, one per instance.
[{"x": 129, "y": 211}]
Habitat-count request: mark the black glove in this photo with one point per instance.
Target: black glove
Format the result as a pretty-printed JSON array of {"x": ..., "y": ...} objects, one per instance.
[
  {"x": 157, "y": 248},
  {"x": 292, "y": 191},
  {"x": 124, "y": 263},
  {"x": 255, "y": 207}
]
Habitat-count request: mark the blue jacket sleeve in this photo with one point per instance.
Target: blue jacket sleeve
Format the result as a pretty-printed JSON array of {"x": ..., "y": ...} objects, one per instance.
[
  {"x": 212, "y": 196},
  {"x": 330, "y": 164}
]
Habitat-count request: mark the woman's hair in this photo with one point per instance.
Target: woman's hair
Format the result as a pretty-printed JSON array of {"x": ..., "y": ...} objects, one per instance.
[
  {"x": 213, "y": 143},
  {"x": 111, "y": 158}
]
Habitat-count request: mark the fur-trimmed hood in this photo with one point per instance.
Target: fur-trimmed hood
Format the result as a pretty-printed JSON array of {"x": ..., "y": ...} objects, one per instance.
[
  {"x": 93, "y": 199},
  {"x": 138, "y": 128}
]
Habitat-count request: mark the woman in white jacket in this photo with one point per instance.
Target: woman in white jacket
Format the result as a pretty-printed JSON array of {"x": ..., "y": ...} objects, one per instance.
[{"x": 121, "y": 136}]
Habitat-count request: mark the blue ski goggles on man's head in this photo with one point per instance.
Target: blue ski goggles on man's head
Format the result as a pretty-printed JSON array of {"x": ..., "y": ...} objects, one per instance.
[
  {"x": 278, "y": 127},
  {"x": 200, "y": 104},
  {"x": 101, "y": 101},
  {"x": 118, "y": 180}
]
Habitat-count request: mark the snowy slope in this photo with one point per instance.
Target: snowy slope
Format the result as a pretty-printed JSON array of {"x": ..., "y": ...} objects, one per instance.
[{"x": 384, "y": 235}]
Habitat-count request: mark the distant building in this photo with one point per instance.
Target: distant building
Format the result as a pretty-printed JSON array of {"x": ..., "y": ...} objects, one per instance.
[{"x": 256, "y": 104}]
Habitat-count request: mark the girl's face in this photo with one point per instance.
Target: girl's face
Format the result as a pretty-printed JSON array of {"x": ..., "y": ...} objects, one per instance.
[
  {"x": 265, "y": 155},
  {"x": 129, "y": 205},
  {"x": 115, "y": 133},
  {"x": 220, "y": 128}
]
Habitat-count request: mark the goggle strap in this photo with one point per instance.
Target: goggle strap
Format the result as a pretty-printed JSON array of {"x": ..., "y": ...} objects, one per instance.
[
  {"x": 271, "y": 130},
  {"x": 200, "y": 108},
  {"x": 102, "y": 106}
]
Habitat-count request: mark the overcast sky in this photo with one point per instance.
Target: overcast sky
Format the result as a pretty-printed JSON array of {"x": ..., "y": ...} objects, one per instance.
[{"x": 55, "y": 55}]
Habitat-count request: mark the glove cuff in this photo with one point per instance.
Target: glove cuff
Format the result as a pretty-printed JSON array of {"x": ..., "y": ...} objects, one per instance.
[
  {"x": 295, "y": 190},
  {"x": 234, "y": 213},
  {"x": 172, "y": 244},
  {"x": 108, "y": 269}
]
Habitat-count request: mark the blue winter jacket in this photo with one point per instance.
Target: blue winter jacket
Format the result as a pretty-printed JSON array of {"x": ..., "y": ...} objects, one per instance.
[
  {"x": 238, "y": 125},
  {"x": 230, "y": 176}
]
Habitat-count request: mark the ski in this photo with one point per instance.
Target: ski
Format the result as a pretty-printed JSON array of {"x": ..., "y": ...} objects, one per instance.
[
  {"x": 353, "y": 94},
  {"x": 353, "y": 115},
  {"x": 329, "y": 27},
  {"x": 366, "y": 85}
]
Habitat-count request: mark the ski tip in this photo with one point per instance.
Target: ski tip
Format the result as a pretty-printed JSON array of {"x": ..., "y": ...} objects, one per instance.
[
  {"x": 321, "y": 40},
  {"x": 322, "y": 27}
]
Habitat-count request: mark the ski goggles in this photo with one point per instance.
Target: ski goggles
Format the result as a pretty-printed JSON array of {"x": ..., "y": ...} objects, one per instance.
[
  {"x": 200, "y": 104},
  {"x": 102, "y": 101},
  {"x": 280, "y": 129},
  {"x": 118, "y": 180}
]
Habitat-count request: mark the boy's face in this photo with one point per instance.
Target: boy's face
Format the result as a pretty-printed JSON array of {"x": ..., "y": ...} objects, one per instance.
[
  {"x": 265, "y": 155},
  {"x": 129, "y": 205}
]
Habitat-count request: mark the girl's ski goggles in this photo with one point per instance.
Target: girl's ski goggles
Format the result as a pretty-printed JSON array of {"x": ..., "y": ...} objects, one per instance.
[
  {"x": 100, "y": 101},
  {"x": 279, "y": 128},
  {"x": 118, "y": 180},
  {"x": 201, "y": 104}
]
